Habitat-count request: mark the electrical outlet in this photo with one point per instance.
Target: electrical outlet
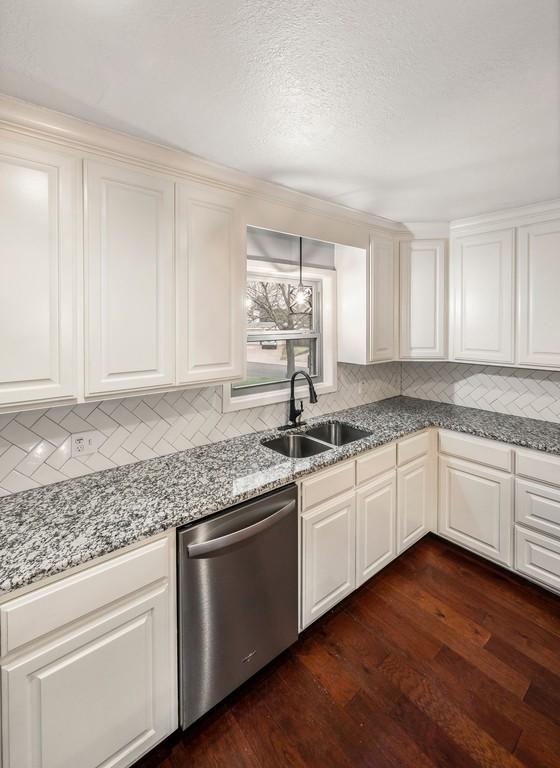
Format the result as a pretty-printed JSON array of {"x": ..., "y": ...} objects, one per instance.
[{"x": 84, "y": 443}]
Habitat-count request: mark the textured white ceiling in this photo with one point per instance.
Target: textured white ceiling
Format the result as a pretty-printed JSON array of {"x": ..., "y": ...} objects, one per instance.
[{"x": 411, "y": 109}]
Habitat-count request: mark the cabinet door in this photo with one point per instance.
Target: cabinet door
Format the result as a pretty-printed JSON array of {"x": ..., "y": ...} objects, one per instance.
[
  {"x": 476, "y": 508},
  {"x": 482, "y": 297},
  {"x": 100, "y": 695},
  {"x": 211, "y": 258},
  {"x": 539, "y": 280},
  {"x": 415, "y": 497},
  {"x": 328, "y": 555},
  {"x": 39, "y": 216},
  {"x": 376, "y": 512},
  {"x": 422, "y": 299},
  {"x": 130, "y": 293},
  {"x": 382, "y": 284}
]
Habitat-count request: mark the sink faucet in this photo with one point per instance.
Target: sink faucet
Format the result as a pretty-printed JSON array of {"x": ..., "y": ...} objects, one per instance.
[{"x": 295, "y": 413}]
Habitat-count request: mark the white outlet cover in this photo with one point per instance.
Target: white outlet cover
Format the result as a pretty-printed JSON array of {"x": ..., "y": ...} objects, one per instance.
[{"x": 85, "y": 443}]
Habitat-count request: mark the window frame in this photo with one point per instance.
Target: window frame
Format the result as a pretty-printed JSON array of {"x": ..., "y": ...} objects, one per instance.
[{"x": 325, "y": 324}]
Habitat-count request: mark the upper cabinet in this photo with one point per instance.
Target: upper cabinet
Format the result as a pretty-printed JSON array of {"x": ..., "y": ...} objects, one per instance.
[
  {"x": 210, "y": 284},
  {"x": 383, "y": 299},
  {"x": 422, "y": 299},
  {"x": 367, "y": 300},
  {"x": 538, "y": 284},
  {"x": 129, "y": 278},
  {"x": 482, "y": 297},
  {"x": 39, "y": 227}
]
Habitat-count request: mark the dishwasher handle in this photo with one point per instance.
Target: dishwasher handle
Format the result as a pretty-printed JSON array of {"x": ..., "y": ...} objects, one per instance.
[{"x": 212, "y": 546}]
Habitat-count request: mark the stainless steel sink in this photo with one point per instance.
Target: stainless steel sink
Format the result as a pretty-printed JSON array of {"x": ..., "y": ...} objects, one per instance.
[
  {"x": 337, "y": 433},
  {"x": 296, "y": 446}
]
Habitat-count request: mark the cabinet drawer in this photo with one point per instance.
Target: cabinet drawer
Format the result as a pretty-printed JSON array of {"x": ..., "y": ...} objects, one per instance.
[
  {"x": 538, "y": 466},
  {"x": 538, "y": 556},
  {"x": 35, "y": 614},
  {"x": 488, "y": 452},
  {"x": 326, "y": 485},
  {"x": 413, "y": 447},
  {"x": 538, "y": 506},
  {"x": 376, "y": 463}
]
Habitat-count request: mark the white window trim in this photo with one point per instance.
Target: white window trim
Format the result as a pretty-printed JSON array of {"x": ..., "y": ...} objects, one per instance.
[{"x": 328, "y": 340}]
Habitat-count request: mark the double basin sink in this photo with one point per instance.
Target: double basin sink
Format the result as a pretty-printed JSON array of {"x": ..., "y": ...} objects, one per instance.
[{"x": 323, "y": 437}]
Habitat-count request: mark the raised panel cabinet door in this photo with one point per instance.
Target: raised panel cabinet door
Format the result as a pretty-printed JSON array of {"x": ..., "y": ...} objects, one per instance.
[
  {"x": 328, "y": 555},
  {"x": 382, "y": 285},
  {"x": 422, "y": 299},
  {"x": 39, "y": 227},
  {"x": 100, "y": 695},
  {"x": 211, "y": 262},
  {"x": 476, "y": 508},
  {"x": 414, "y": 499},
  {"x": 539, "y": 281},
  {"x": 376, "y": 520},
  {"x": 482, "y": 297},
  {"x": 129, "y": 271}
]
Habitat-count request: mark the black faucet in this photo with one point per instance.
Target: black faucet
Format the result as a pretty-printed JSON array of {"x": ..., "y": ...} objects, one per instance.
[{"x": 295, "y": 413}]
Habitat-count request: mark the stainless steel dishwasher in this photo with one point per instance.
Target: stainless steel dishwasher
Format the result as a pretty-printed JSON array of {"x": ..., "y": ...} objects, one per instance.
[{"x": 238, "y": 597}]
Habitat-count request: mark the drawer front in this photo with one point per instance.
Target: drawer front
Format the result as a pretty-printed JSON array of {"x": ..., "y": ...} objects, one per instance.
[
  {"x": 35, "y": 614},
  {"x": 488, "y": 452},
  {"x": 327, "y": 485},
  {"x": 538, "y": 506},
  {"x": 538, "y": 556},
  {"x": 413, "y": 447},
  {"x": 376, "y": 463},
  {"x": 538, "y": 466}
]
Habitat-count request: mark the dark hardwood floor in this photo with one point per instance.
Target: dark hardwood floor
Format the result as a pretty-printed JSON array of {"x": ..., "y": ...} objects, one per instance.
[{"x": 442, "y": 659}]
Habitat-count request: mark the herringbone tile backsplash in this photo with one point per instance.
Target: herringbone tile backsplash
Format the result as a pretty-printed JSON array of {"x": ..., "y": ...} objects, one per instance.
[
  {"x": 518, "y": 391},
  {"x": 35, "y": 445}
]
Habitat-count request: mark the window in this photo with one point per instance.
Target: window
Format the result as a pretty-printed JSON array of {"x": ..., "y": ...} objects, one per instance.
[{"x": 284, "y": 336}]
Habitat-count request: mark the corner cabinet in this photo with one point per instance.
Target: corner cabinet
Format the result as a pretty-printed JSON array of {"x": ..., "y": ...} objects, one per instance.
[
  {"x": 422, "y": 271},
  {"x": 129, "y": 279},
  {"x": 210, "y": 284},
  {"x": 482, "y": 297},
  {"x": 100, "y": 687},
  {"x": 538, "y": 284},
  {"x": 39, "y": 242}
]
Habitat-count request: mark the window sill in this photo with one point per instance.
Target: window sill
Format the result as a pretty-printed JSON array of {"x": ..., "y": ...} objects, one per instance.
[{"x": 259, "y": 399}]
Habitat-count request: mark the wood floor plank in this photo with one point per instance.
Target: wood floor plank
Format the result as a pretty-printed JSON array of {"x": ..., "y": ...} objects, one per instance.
[{"x": 441, "y": 659}]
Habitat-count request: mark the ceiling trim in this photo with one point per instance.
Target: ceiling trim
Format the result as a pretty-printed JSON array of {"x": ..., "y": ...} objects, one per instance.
[
  {"x": 524, "y": 214},
  {"x": 31, "y": 120}
]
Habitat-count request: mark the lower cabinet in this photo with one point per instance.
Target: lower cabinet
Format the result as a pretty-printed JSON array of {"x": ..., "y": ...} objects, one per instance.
[
  {"x": 476, "y": 508},
  {"x": 100, "y": 691},
  {"x": 328, "y": 555},
  {"x": 538, "y": 557},
  {"x": 414, "y": 493},
  {"x": 376, "y": 511}
]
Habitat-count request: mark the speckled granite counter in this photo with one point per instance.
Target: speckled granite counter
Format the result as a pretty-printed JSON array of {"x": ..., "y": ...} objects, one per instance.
[{"x": 46, "y": 530}]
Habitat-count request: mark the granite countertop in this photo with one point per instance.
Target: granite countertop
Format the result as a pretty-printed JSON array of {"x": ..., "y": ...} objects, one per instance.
[{"x": 47, "y": 530}]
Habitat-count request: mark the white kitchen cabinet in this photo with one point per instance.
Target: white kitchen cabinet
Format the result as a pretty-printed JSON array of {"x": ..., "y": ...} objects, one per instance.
[
  {"x": 376, "y": 513},
  {"x": 100, "y": 688},
  {"x": 94, "y": 696},
  {"x": 383, "y": 299},
  {"x": 211, "y": 258},
  {"x": 414, "y": 501},
  {"x": 328, "y": 555},
  {"x": 129, "y": 274},
  {"x": 482, "y": 297},
  {"x": 538, "y": 557},
  {"x": 476, "y": 508},
  {"x": 367, "y": 301},
  {"x": 538, "y": 283},
  {"x": 422, "y": 299},
  {"x": 39, "y": 242}
]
